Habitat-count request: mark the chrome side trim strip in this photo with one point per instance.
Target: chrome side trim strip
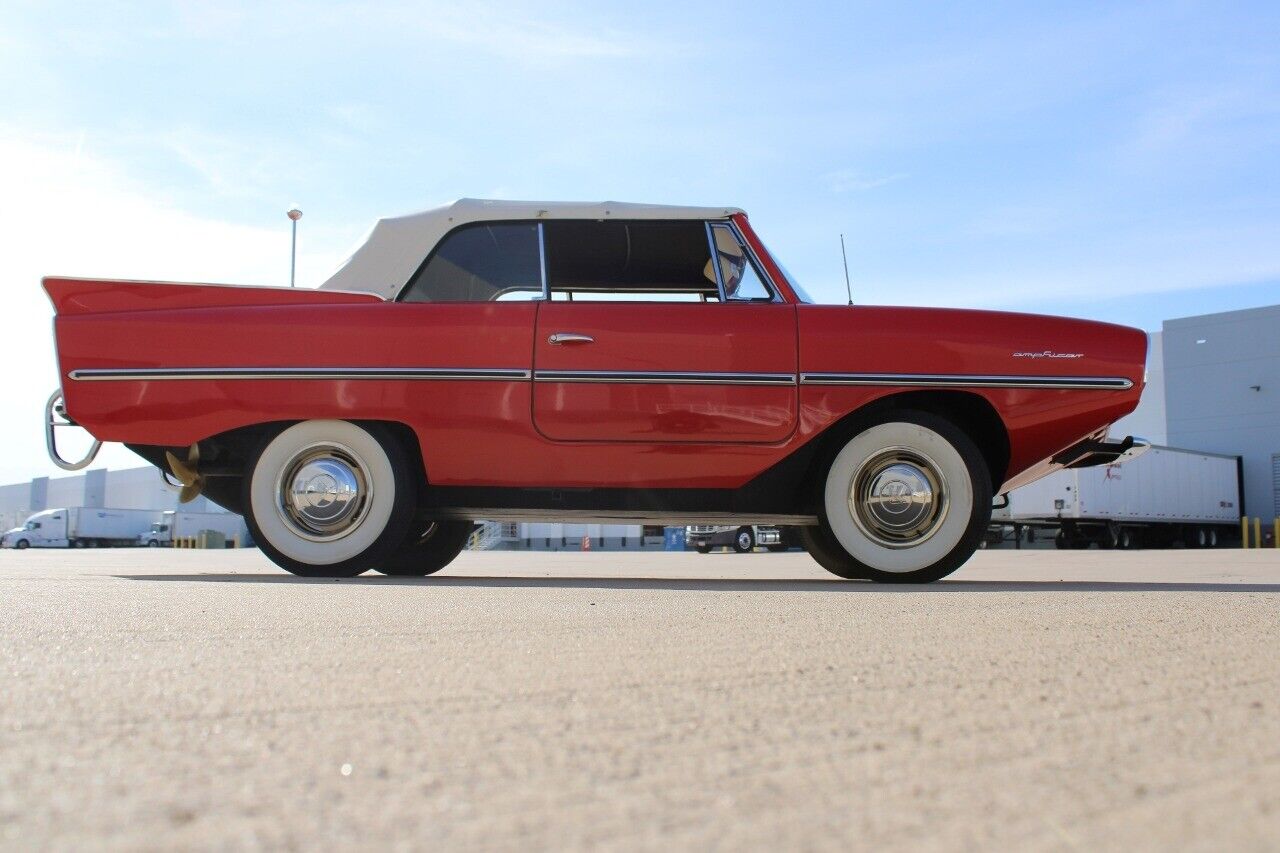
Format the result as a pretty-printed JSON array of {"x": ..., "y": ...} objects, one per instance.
[
  {"x": 665, "y": 377},
  {"x": 159, "y": 374},
  {"x": 957, "y": 380}
]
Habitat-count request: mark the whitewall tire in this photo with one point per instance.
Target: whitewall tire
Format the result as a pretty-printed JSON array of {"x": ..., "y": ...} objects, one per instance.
[
  {"x": 432, "y": 550},
  {"x": 906, "y": 500},
  {"x": 330, "y": 498}
]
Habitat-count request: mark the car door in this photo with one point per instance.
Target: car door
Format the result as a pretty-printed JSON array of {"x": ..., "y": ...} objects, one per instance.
[{"x": 645, "y": 340}]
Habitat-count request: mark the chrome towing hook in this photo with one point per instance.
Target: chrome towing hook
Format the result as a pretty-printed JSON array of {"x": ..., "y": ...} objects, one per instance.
[{"x": 55, "y": 415}]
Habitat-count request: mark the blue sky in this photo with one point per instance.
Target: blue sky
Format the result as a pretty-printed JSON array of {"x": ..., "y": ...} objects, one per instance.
[{"x": 1113, "y": 160}]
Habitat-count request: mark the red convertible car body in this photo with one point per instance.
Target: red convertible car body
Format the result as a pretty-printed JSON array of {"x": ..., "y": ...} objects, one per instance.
[{"x": 541, "y": 360}]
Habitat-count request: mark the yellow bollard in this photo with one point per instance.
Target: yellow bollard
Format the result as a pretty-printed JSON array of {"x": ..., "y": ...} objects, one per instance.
[
  {"x": 1275, "y": 533},
  {"x": 1257, "y": 533},
  {"x": 1244, "y": 531}
]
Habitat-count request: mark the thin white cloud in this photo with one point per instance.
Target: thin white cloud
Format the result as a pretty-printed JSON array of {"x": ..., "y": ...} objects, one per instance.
[
  {"x": 850, "y": 180},
  {"x": 514, "y": 31}
]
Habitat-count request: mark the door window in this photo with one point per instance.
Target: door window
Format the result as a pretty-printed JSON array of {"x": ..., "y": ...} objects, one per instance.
[
  {"x": 481, "y": 263},
  {"x": 742, "y": 281},
  {"x": 630, "y": 261}
]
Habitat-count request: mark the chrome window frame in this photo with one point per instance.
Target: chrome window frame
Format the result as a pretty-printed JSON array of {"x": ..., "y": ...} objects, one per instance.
[
  {"x": 710, "y": 248},
  {"x": 542, "y": 262},
  {"x": 775, "y": 294},
  {"x": 715, "y": 260}
]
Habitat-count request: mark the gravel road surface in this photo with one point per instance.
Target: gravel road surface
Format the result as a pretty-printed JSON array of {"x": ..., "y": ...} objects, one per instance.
[{"x": 1043, "y": 700}]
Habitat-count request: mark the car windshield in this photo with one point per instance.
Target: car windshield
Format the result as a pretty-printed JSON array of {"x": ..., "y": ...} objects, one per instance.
[{"x": 800, "y": 292}]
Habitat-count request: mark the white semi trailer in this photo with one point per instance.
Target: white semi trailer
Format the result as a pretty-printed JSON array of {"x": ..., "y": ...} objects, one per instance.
[
  {"x": 82, "y": 527},
  {"x": 1164, "y": 497},
  {"x": 187, "y": 525}
]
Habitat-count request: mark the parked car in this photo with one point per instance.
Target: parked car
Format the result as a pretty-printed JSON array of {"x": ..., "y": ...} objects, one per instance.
[
  {"x": 742, "y": 538},
  {"x": 534, "y": 360}
]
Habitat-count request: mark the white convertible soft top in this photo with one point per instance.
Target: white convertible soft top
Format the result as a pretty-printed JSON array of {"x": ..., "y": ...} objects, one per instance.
[{"x": 397, "y": 245}]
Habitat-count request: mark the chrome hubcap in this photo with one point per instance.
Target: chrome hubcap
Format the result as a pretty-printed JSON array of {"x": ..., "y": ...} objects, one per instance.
[
  {"x": 324, "y": 492},
  {"x": 898, "y": 497}
]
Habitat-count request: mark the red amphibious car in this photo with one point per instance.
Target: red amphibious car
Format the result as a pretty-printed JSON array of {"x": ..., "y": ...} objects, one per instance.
[{"x": 535, "y": 360}]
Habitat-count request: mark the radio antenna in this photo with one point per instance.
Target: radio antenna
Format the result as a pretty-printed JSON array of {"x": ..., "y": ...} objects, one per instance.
[{"x": 848, "y": 288}]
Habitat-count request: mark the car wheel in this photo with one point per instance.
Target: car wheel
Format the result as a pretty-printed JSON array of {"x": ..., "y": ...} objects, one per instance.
[
  {"x": 330, "y": 498},
  {"x": 1213, "y": 539},
  {"x": 744, "y": 541},
  {"x": 22, "y": 544},
  {"x": 153, "y": 544},
  {"x": 906, "y": 500},
  {"x": 436, "y": 548}
]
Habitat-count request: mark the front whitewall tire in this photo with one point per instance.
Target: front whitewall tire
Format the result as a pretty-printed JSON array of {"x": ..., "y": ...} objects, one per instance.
[
  {"x": 957, "y": 493},
  {"x": 906, "y": 500}
]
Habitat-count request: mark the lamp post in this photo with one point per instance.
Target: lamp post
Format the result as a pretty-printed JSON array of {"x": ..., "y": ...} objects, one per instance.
[{"x": 294, "y": 215}]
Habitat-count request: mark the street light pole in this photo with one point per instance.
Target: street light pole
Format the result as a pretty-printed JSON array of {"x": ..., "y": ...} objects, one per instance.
[{"x": 294, "y": 214}]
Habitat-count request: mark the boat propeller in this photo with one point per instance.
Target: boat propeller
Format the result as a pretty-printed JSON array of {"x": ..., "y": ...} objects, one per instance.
[{"x": 187, "y": 473}]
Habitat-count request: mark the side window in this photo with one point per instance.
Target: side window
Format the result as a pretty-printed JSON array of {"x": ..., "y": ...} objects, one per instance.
[
  {"x": 629, "y": 261},
  {"x": 742, "y": 281},
  {"x": 481, "y": 263}
]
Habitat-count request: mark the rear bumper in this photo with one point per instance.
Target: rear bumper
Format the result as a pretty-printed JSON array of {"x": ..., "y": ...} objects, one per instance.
[{"x": 1089, "y": 452}]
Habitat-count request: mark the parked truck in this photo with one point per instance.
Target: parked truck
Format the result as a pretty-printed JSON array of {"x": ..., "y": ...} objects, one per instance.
[
  {"x": 741, "y": 538},
  {"x": 82, "y": 527},
  {"x": 1163, "y": 498},
  {"x": 188, "y": 525}
]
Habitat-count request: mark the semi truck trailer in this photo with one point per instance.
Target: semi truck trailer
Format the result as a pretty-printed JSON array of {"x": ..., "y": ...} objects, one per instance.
[
  {"x": 1163, "y": 498},
  {"x": 82, "y": 527},
  {"x": 187, "y": 525}
]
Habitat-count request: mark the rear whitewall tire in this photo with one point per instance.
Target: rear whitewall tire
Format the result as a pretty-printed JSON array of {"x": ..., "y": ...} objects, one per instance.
[
  {"x": 916, "y": 452},
  {"x": 381, "y": 501}
]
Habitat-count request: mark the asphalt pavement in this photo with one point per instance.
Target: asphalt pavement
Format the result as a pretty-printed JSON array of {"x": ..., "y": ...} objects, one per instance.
[{"x": 1039, "y": 700}]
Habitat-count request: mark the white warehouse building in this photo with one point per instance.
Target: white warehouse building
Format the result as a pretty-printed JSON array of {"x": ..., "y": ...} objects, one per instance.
[
  {"x": 1222, "y": 394},
  {"x": 131, "y": 488}
]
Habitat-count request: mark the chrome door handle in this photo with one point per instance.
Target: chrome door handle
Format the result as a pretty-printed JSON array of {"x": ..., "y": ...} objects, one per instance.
[{"x": 570, "y": 338}]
